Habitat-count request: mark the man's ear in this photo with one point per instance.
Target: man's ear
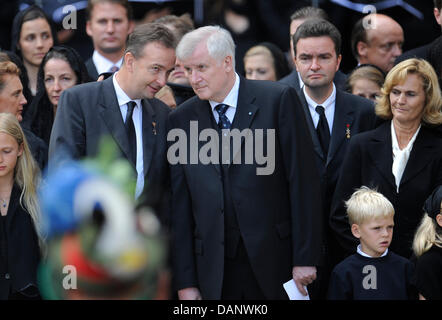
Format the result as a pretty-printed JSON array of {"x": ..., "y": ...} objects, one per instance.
[
  {"x": 355, "y": 230},
  {"x": 438, "y": 16},
  {"x": 129, "y": 61},
  {"x": 131, "y": 27},
  {"x": 88, "y": 28},
  {"x": 362, "y": 48},
  {"x": 228, "y": 66},
  {"x": 339, "y": 62}
]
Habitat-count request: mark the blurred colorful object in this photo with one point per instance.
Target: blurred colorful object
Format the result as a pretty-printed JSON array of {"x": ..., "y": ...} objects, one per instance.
[{"x": 98, "y": 246}]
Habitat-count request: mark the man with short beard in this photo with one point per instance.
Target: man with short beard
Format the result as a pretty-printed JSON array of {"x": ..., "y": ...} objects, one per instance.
[{"x": 109, "y": 22}]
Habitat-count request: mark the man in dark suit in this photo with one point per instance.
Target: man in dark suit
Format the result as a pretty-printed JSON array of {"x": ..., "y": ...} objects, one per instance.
[
  {"x": 423, "y": 51},
  {"x": 297, "y": 18},
  {"x": 240, "y": 233},
  {"x": 123, "y": 108},
  {"x": 377, "y": 39},
  {"x": 108, "y": 23},
  {"x": 333, "y": 117}
]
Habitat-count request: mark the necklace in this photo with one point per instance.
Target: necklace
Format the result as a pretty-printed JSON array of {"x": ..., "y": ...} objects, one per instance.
[{"x": 3, "y": 203}]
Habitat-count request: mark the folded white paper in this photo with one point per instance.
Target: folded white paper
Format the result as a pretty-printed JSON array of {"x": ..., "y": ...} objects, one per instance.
[{"x": 293, "y": 292}]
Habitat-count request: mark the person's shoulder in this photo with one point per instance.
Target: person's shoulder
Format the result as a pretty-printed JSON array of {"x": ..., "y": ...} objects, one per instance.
[
  {"x": 264, "y": 86},
  {"x": 289, "y": 79},
  {"x": 359, "y": 104},
  {"x": 186, "y": 107},
  {"x": 430, "y": 257},
  {"x": 346, "y": 264},
  {"x": 85, "y": 88},
  {"x": 396, "y": 259},
  {"x": 159, "y": 106}
]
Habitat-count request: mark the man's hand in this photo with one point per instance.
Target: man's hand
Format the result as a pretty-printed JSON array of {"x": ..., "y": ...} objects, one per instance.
[
  {"x": 303, "y": 276},
  {"x": 189, "y": 294}
]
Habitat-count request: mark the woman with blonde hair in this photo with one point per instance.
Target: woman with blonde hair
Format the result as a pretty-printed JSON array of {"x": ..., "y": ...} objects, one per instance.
[
  {"x": 20, "y": 235},
  {"x": 265, "y": 61},
  {"x": 402, "y": 157},
  {"x": 427, "y": 247}
]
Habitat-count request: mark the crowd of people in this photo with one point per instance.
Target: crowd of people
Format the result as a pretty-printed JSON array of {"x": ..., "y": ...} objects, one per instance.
[{"x": 331, "y": 172}]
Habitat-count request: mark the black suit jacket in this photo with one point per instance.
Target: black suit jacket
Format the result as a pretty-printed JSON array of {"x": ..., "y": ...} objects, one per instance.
[
  {"x": 91, "y": 69},
  {"x": 89, "y": 111},
  {"x": 353, "y": 111},
  {"x": 23, "y": 252},
  {"x": 292, "y": 80},
  {"x": 278, "y": 214},
  {"x": 369, "y": 162}
]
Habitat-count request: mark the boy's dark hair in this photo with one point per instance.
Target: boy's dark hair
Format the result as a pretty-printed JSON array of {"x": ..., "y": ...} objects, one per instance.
[
  {"x": 437, "y": 4},
  {"x": 318, "y": 28},
  {"x": 124, "y": 3},
  {"x": 309, "y": 12},
  {"x": 147, "y": 33}
]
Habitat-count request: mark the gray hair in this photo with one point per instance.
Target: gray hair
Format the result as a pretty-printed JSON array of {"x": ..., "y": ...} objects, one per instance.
[{"x": 219, "y": 43}]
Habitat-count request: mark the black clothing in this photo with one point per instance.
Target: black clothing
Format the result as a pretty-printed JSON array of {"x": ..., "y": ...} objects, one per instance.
[
  {"x": 19, "y": 252},
  {"x": 391, "y": 278},
  {"x": 38, "y": 147},
  {"x": 428, "y": 275}
]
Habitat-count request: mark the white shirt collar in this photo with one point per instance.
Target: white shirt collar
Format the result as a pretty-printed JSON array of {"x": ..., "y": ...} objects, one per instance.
[
  {"x": 232, "y": 98},
  {"x": 103, "y": 64},
  {"x": 327, "y": 103},
  {"x": 395, "y": 143},
  {"x": 362, "y": 253},
  {"x": 122, "y": 97}
]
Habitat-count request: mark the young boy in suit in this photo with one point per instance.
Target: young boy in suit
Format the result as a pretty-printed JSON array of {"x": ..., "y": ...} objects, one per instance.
[{"x": 374, "y": 272}]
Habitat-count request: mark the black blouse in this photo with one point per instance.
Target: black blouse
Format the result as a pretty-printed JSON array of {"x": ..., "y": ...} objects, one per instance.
[{"x": 19, "y": 252}]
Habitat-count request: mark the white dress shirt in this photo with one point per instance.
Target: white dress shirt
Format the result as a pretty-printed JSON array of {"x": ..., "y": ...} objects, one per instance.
[
  {"x": 103, "y": 64},
  {"x": 231, "y": 100},
  {"x": 123, "y": 99},
  {"x": 329, "y": 108},
  {"x": 362, "y": 253},
  {"x": 400, "y": 157}
]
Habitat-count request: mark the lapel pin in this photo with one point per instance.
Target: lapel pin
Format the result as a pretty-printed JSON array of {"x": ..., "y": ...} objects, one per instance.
[
  {"x": 347, "y": 132},
  {"x": 154, "y": 130},
  {"x": 250, "y": 113}
]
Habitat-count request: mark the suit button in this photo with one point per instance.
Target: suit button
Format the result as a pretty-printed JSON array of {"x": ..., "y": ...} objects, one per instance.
[
  {"x": 222, "y": 211},
  {"x": 7, "y": 276}
]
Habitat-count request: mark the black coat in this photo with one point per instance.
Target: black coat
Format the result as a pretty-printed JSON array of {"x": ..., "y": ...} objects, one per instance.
[
  {"x": 23, "y": 253},
  {"x": 278, "y": 214},
  {"x": 369, "y": 162}
]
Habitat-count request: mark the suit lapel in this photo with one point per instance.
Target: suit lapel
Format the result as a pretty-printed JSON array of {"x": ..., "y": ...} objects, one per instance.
[
  {"x": 111, "y": 115},
  {"x": 420, "y": 156},
  {"x": 311, "y": 127},
  {"x": 381, "y": 152},
  {"x": 343, "y": 117},
  {"x": 203, "y": 114},
  {"x": 149, "y": 130},
  {"x": 245, "y": 113}
]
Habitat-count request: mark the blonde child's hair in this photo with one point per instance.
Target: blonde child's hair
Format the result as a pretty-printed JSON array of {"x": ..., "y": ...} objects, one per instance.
[
  {"x": 26, "y": 173},
  {"x": 427, "y": 234},
  {"x": 367, "y": 204}
]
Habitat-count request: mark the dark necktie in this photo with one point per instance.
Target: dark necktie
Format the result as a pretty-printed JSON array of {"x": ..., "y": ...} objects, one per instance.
[
  {"x": 114, "y": 69},
  {"x": 223, "y": 122},
  {"x": 323, "y": 130},
  {"x": 130, "y": 130}
]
